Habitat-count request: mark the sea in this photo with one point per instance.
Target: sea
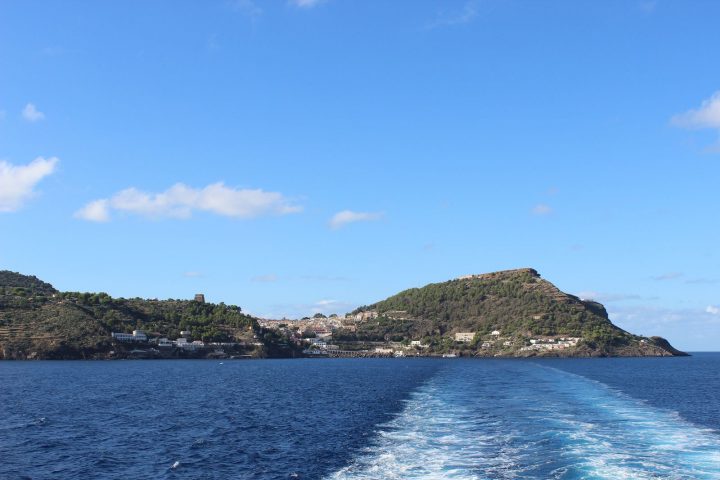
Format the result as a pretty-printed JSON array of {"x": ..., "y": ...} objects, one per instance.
[{"x": 342, "y": 419}]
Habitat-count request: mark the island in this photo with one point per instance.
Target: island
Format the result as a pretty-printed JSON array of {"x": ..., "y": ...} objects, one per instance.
[{"x": 512, "y": 313}]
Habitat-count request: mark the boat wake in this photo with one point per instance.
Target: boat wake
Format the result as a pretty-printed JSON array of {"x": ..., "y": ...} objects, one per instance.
[{"x": 513, "y": 419}]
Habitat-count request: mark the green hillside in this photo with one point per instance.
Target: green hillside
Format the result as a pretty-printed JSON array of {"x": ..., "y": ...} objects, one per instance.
[
  {"x": 37, "y": 321},
  {"x": 517, "y": 303}
]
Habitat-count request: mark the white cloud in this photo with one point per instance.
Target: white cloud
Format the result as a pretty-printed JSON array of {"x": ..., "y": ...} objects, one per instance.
[
  {"x": 193, "y": 274},
  {"x": 18, "y": 181},
  {"x": 466, "y": 15},
  {"x": 32, "y": 114},
  {"x": 713, "y": 310},
  {"x": 345, "y": 217},
  {"x": 306, "y": 3},
  {"x": 542, "y": 209},
  {"x": 707, "y": 116},
  {"x": 95, "y": 211},
  {"x": 180, "y": 201}
]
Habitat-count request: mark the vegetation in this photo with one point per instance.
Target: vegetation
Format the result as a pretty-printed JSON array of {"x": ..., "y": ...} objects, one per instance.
[
  {"x": 36, "y": 318},
  {"x": 517, "y": 303}
]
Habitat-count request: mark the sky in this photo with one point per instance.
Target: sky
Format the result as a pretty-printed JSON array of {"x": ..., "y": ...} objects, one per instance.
[{"x": 304, "y": 156}]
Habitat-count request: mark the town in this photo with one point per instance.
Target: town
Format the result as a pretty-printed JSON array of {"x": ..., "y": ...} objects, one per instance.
[
  {"x": 325, "y": 336},
  {"x": 322, "y": 335}
]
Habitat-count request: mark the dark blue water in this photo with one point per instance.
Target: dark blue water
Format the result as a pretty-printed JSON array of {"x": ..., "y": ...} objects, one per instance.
[{"x": 363, "y": 418}]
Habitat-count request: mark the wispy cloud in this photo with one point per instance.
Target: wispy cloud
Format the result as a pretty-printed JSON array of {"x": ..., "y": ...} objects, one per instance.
[
  {"x": 608, "y": 297},
  {"x": 323, "y": 278},
  {"x": 17, "y": 182},
  {"x": 299, "y": 310},
  {"x": 306, "y": 3},
  {"x": 346, "y": 217},
  {"x": 32, "y": 114},
  {"x": 713, "y": 310},
  {"x": 180, "y": 201},
  {"x": 707, "y": 116},
  {"x": 667, "y": 276},
  {"x": 268, "y": 278},
  {"x": 328, "y": 307},
  {"x": 247, "y": 7},
  {"x": 541, "y": 209},
  {"x": 193, "y": 274},
  {"x": 648, "y": 6},
  {"x": 467, "y": 14},
  {"x": 686, "y": 328},
  {"x": 702, "y": 281}
]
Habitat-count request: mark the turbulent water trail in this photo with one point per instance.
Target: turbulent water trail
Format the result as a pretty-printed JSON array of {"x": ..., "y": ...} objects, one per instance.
[{"x": 497, "y": 420}]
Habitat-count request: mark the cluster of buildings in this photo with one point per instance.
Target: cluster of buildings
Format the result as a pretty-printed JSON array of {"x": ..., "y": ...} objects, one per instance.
[
  {"x": 544, "y": 344},
  {"x": 182, "y": 342},
  {"x": 321, "y": 328},
  {"x": 139, "y": 336}
]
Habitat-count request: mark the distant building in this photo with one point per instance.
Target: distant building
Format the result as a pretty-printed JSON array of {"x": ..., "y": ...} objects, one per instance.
[
  {"x": 136, "y": 336},
  {"x": 185, "y": 333},
  {"x": 495, "y": 332},
  {"x": 464, "y": 336},
  {"x": 200, "y": 297},
  {"x": 363, "y": 316}
]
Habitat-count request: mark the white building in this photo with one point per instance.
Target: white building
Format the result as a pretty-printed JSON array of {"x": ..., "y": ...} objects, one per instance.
[
  {"x": 495, "y": 332},
  {"x": 464, "y": 337},
  {"x": 136, "y": 336}
]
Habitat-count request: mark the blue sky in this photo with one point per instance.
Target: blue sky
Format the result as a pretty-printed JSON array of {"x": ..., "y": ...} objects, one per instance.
[{"x": 302, "y": 156}]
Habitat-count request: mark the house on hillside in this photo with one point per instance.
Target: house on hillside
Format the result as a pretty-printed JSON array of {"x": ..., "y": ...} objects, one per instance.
[
  {"x": 135, "y": 336},
  {"x": 465, "y": 337}
]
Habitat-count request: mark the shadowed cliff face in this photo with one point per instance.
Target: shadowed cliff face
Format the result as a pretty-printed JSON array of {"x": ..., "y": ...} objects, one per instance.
[{"x": 519, "y": 304}]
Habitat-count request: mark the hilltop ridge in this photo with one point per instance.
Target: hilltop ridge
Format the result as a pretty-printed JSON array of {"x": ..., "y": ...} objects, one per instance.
[{"x": 504, "y": 313}]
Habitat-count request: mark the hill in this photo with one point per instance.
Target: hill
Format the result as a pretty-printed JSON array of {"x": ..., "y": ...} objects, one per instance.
[
  {"x": 507, "y": 313},
  {"x": 38, "y": 321}
]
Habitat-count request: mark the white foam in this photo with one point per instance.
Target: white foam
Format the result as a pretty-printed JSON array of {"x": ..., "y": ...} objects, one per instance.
[
  {"x": 545, "y": 423},
  {"x": 431, "y": 439}
]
